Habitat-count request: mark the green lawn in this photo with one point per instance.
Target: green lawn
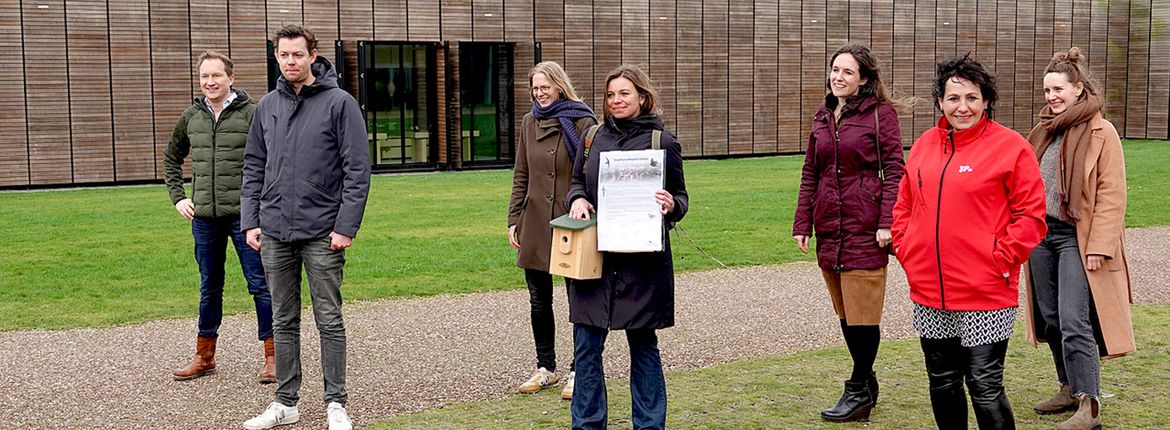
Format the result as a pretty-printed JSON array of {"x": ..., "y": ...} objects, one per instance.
[
  {"x": 97, "y": 257},
  {"x": 788, "y": 391}
]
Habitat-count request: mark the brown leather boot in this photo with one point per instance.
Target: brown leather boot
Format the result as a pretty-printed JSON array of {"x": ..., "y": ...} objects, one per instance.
[
  {"x": 268, "y": 373},
  {"x": 1088, "y": 416},
  {"x": 1062, "y": 401},
  {"x": 203, "y": 363}
]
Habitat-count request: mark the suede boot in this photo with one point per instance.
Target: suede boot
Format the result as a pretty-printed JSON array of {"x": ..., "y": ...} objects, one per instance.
[
  {"x": 204, "y": 362},
  {"x": 1062, "y": 401},
  {"x": 855, "y": 404},
  {"x": 1088, "y": 416},
  {"x": 268, "y": 373}
]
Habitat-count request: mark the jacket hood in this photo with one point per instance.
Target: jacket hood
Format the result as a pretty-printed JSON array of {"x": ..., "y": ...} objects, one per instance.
[{"x": 325, "y": 78}]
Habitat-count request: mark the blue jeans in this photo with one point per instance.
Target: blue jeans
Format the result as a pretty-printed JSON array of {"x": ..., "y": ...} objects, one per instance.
[
  {"x": 1063, "y": 298},
  {"x": 647, "y": 384},
  {"x": 323, "y": 267},
  {"x": 211, "y": 237}
]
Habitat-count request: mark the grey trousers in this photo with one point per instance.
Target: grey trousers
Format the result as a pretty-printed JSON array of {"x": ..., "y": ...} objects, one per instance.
[
  {"x": 1062, "y": 295},
  {"x": 282, "y": 268}
]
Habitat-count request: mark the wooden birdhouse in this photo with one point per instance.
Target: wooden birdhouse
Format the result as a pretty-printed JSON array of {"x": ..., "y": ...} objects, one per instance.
[{"x": 574, "y": 248}]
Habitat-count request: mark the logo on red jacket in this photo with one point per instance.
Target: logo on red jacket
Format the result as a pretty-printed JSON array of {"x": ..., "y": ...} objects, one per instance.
[{"x": 965, "y": 169}]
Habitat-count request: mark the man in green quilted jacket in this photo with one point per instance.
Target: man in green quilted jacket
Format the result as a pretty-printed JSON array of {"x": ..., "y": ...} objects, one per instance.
[{"x": 213, "y": 131}]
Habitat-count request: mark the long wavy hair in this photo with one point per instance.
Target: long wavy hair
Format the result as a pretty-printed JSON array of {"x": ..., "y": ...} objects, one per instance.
[{"x": 871, "y": 70}]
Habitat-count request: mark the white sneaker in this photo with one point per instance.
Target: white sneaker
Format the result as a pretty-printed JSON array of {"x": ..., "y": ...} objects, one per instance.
[
  {"x": 540, "y": 378},
  {"x": 276, "y": 415},
  {"x": 338, "y": 419},
  {"x": 567, "y": 393}
]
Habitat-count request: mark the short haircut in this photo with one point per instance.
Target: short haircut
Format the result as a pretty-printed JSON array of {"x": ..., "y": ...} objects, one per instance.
[
  {"x": 967, "y": 68},
  {"x": 228, "y": 67},
  {"x": 293, "y": 31}
]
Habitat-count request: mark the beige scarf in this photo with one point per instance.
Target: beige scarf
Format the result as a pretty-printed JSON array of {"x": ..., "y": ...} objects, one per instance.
[{"x": 1073, "y": 123}]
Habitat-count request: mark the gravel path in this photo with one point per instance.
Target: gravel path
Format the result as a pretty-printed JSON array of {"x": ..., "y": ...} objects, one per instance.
[{"x": 416, "y": 354}]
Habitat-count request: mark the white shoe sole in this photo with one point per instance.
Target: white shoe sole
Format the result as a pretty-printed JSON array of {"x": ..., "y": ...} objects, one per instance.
[{"x": 287, "y": 420}]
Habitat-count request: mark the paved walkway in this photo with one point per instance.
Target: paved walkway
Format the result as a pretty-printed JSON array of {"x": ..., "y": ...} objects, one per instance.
[{"x": 416, "y": 354}]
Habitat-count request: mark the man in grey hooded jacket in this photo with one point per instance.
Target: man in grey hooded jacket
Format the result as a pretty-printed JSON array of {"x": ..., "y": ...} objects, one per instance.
[{"x": 306, "y": 178}]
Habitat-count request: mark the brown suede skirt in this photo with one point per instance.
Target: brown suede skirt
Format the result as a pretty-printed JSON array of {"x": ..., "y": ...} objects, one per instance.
[{"x": 858, "y": 295}]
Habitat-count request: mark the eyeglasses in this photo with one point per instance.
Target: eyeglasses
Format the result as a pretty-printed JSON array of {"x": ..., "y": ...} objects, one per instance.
[{"x": 542, "y": 89}]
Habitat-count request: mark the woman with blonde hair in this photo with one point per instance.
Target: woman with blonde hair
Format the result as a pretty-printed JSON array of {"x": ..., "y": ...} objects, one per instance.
[
  {"x": 636, "y": 290},
  {"x": 1078, "y": 285},
  {"x": 550, "y": 136}
]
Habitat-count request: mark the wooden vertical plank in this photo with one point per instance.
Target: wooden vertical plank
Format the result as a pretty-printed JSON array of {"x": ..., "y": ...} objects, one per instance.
[
  {"x": 813, "y": 64},
  {"x": 209, "y": 27},
  {"x": 1137, "y": 81},
  {"x": 1004, "y": 69},
  {"x": 357, "y": 20},
  {"x": 89, "y": 91},
  {"x": 1098, "y": 43},
  {"x": 49, "y": 141},
  {"x": 13, "y": 125},
  {"x": 1117, "y": 65},
  {"x": 519, "y": 28},
  {"x": 607, "y": 43},
  {"x": 1159, "y": 100},
  {"x": 635, "y": 33},
  {"x": 663, "y": 53},
  {"x": 321, "y": 16},
  {"x": 1027, "y": 90},
  {"x": 284, "y": 12},
  {"x": 1045, "y": 45},
  {"x": 441, "y": 120},
  {"x": 1081, "y": 25},
  {"x": 133, "y": 128},
  {"x": 966, "y": 36},
  {"x": 390, "y": 20},
  {"x": 861, "y": 21},
  {"x": 882, "y": 45},
  {"x": 946, "y": 29},
  {"x": 790, "y": 121},
  {"x": 551, "y": 28},
  {"x": 172, "y": 75},
  {"x": 903, "y": 67},
  {"x": 765, "y": 79},
  {"x": 487, "y": 19},
  {"x": 249, "y": 46},
  {"x": 690, "y": 72},
  {"x": 836, "y": 26},
  {"x": 987, "y": 33},
  {"x": 425, "y": 22},
  {"x": 740, "y": 82},
  {"x": 715, "y": 78},
  {"x": 1062, "y": 16},
  {"x": 578, "y": 61},
  {"x": 924, "y": 61}
]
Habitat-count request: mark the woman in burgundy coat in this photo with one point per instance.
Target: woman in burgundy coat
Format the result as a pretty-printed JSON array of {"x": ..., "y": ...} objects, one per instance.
[{"x": 847, "y": 192}]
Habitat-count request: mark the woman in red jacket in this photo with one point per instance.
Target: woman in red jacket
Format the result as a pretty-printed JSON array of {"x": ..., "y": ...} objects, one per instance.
[
  {"x": 970, "y": 208},
  {"x": 847, "y": 191}
]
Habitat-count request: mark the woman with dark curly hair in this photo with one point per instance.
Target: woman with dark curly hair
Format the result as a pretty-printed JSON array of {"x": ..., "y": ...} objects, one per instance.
[{"x": 970, "y": 208}]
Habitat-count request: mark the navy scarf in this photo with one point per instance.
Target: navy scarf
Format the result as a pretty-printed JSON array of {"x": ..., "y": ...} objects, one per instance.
[{"x": 567, "y": 111}]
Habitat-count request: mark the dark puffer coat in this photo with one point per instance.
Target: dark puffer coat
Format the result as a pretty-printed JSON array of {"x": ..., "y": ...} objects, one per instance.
[
  {"x": 217, "y": 156},
  {"x": 841, "y": 196},
  {"x": 636, "y": 290}
]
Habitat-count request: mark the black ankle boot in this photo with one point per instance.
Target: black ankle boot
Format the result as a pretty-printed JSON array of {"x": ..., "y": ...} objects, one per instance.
[
  {"x": 854, "y": 405},
  {"x": 872, "y": 384}
]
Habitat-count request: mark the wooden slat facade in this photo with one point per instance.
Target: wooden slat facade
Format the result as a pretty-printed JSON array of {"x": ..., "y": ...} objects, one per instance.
[{"x": 101, "y": 83}]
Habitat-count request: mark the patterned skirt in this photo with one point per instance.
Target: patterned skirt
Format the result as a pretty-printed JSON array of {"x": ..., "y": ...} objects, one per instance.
[{"x": 973, "y": 328}]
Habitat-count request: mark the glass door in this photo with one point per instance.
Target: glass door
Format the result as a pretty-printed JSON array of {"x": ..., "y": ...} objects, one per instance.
[
  {"x": 486, "y": 84},
  {"x": 398, "y": 96}
]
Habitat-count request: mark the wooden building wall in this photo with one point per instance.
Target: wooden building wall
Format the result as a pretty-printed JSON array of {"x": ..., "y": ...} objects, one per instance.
[{"x": 98, "y": 84}]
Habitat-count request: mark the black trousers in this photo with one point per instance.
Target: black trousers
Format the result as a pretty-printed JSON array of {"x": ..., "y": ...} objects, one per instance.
[
  {"x": 948, "y": 364},
  {"x": 544, "y": 326}
]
